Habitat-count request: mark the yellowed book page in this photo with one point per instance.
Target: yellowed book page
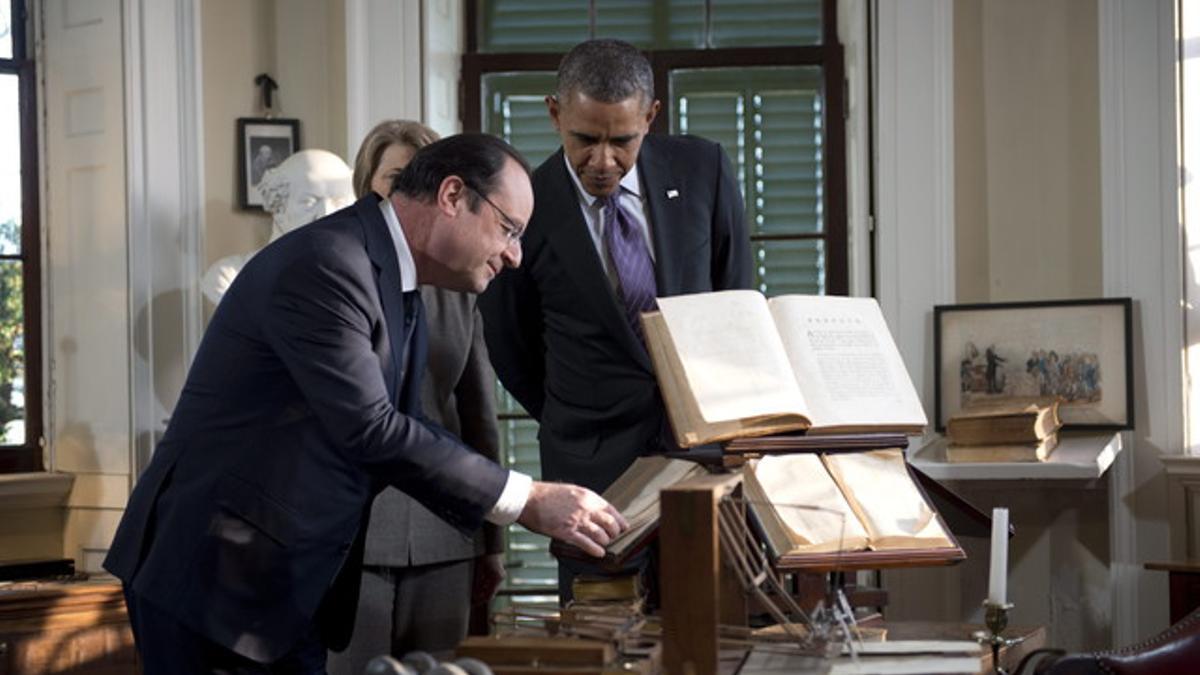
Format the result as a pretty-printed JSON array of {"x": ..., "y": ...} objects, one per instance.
[
  {"x": 809, "y": 503},
  {"x": 637, "y": 488},
  {"x": 780, "y": 538},
  {"x": 846, "y": 362},
  {"x": 688, "y": 425},
  {"x": 732, "y": 358},
  {"x": 636, "y": 492},
  {"x": 880, "y": 490},
  {"x": 686, "y": 422}
]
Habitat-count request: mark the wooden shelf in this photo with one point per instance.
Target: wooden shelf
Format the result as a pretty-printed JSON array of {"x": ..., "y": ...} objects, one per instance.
[{"x": 1078, "y": 457}]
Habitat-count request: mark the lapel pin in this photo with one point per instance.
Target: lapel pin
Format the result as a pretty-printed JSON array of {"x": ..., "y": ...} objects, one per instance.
[{"x": 672, "y": 193}]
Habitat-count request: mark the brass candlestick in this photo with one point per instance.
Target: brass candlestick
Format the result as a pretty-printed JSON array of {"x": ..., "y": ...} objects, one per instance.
[{"x": 995, "y": 617}]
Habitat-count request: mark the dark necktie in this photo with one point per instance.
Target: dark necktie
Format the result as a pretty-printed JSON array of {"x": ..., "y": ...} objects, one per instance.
[
  {"x": 410, "y": 307},
  {"x": 410, "y": 369},
  {"x": 631, "y": 260}
]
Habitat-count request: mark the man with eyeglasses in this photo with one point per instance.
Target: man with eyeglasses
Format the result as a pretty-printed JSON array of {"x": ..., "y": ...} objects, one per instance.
[
  {"x": 241, "y": 546},
  {"x": 621, "y": 217}
]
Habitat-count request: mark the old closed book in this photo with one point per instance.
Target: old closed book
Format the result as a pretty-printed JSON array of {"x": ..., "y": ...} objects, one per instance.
[
  {"x": 591, "y": 588},
  {"x": 733, "y": 364},
  {"x": 820, "y": 506},
  {"x": 1004, "y": 452},
  {"x": 1005, "y": 421}
]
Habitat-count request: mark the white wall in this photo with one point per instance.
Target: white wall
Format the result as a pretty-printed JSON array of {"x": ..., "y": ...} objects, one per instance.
[
  {"x": 237, "y": 43},
  {"x": 402, "y": 62},
  {"x": 1027, "y": 143},
  {"x": 1067, "y": 132}
]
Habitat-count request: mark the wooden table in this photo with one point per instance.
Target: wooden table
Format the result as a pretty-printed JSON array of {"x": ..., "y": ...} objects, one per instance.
[
  {"x": 1035, "y": 638},
  {"x": 75, "y": 627},
  {"x": 1183, "y": 577}
]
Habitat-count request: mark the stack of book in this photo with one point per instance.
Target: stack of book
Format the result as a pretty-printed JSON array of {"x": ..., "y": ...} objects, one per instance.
[
  {"x": 600, "y": 601},
  {"x": 1004, "y": 430}
]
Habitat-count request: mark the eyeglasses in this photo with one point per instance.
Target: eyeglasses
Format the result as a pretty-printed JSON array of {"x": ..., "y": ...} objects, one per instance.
[{"x": 512, "y": 229}]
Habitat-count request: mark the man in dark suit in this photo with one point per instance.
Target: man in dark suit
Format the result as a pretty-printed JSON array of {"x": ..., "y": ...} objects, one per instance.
[
  {"x": 241, "y": 545},
  {"x": 620, "y": 218}
]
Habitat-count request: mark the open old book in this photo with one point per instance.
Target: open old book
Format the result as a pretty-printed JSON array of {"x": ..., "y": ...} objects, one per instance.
[
  {"x": 635, "y": 495},
  {"x": 733, "y": 364},
  {"x": 819, "y": 508}
]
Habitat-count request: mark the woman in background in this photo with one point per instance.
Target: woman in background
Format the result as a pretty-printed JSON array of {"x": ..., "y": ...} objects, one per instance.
[{"x": 420, "y": 574}]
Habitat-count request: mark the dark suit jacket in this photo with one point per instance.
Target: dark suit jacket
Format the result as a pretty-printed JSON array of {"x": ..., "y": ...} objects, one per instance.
[
  {"x": 555, "y": 328},
  {"x": 457, "y": 392},
  {"x": 296, "y": 411}
]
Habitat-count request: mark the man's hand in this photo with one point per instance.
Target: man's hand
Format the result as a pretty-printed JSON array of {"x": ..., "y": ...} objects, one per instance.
[
  {"x": 572, "y": 514},
  {"x": 489, "y": 573}
]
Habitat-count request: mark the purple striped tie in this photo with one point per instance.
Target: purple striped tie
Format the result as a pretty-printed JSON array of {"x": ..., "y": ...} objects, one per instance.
[{"x": 631, "y": 260}]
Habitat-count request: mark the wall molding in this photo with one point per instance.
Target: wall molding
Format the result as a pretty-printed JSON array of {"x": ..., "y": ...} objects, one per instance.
[
  {"x": 914, "y": 56},
  {"x": 164, "y": 204},
  {"x": 384, "y": 65},
  {"x": 854, "y": 33},
  {"x": 39, "y": 490},
  {"x": 1142, "y": 254}
]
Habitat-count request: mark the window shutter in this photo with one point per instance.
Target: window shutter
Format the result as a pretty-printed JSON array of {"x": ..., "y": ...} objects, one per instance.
[
  {"x": 769, "y": 121},
  {"x": 515, "y": 110}
]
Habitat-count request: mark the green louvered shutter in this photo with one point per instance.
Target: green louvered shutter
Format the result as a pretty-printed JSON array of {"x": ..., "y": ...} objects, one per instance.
[
  {"x": 532, "y": 25},
  {"x": 515, "y": 110},
  {"x": 757, "y": 23},
  {"x": 557, "y": 25},
  {"x": 769, "y": 122}
]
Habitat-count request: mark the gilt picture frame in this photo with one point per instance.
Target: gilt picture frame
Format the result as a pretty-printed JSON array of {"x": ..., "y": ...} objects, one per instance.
[{"x": 1078, "y": 350}]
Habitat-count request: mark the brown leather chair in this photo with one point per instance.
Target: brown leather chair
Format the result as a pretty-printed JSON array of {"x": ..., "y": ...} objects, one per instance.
[{"x": 1173, "y": 651}]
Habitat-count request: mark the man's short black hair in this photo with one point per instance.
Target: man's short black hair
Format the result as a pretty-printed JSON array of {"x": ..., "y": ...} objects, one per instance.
[
  {"x": 606, "y": 70},
  {"x": 477, "y": 159}
]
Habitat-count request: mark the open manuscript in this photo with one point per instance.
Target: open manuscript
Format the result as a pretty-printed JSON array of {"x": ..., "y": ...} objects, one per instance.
[
  {"x": 827, "y": 509},
  {"x": 733, "y": 364}
]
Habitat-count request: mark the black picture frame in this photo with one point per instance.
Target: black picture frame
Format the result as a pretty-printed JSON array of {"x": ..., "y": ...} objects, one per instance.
[
  {"x": 262, "y": 143},
  {"x": 1081, "y": 350}
]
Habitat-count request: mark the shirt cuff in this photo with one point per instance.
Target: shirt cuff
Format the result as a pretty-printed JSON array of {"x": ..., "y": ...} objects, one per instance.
[{"x": 512, "y": 500}]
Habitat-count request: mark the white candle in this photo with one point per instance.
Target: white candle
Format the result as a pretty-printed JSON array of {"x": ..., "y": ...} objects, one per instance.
[{"x": 998, "y": 572}]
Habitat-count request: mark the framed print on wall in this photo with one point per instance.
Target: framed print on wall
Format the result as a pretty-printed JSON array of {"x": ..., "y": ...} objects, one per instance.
[
  {"x": 1078, "y": 350},
  {"x": 262, "y": 144}
]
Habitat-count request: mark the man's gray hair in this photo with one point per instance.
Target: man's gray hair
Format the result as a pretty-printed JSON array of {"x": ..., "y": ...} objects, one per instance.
[{"x": 605, "y": 70}]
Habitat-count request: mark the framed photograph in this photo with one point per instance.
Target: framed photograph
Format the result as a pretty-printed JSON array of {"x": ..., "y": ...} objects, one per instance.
[
  {"x": 1078, "y": 350},
  {"x": 262, "y": 144}
]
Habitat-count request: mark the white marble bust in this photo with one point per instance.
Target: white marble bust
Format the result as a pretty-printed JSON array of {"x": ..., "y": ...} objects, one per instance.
[{"x": 305, "y": 186}]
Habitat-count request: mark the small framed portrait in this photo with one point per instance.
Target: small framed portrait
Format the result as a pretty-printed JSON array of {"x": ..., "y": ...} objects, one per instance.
[
  {"x": 262, "y": 144},
  {"x": 1080, "y": 351}
]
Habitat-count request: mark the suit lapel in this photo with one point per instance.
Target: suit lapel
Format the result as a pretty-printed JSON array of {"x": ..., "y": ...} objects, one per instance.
[
  {"x": 382, "y": 253},
  {"x": 659, "y": 185}
]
